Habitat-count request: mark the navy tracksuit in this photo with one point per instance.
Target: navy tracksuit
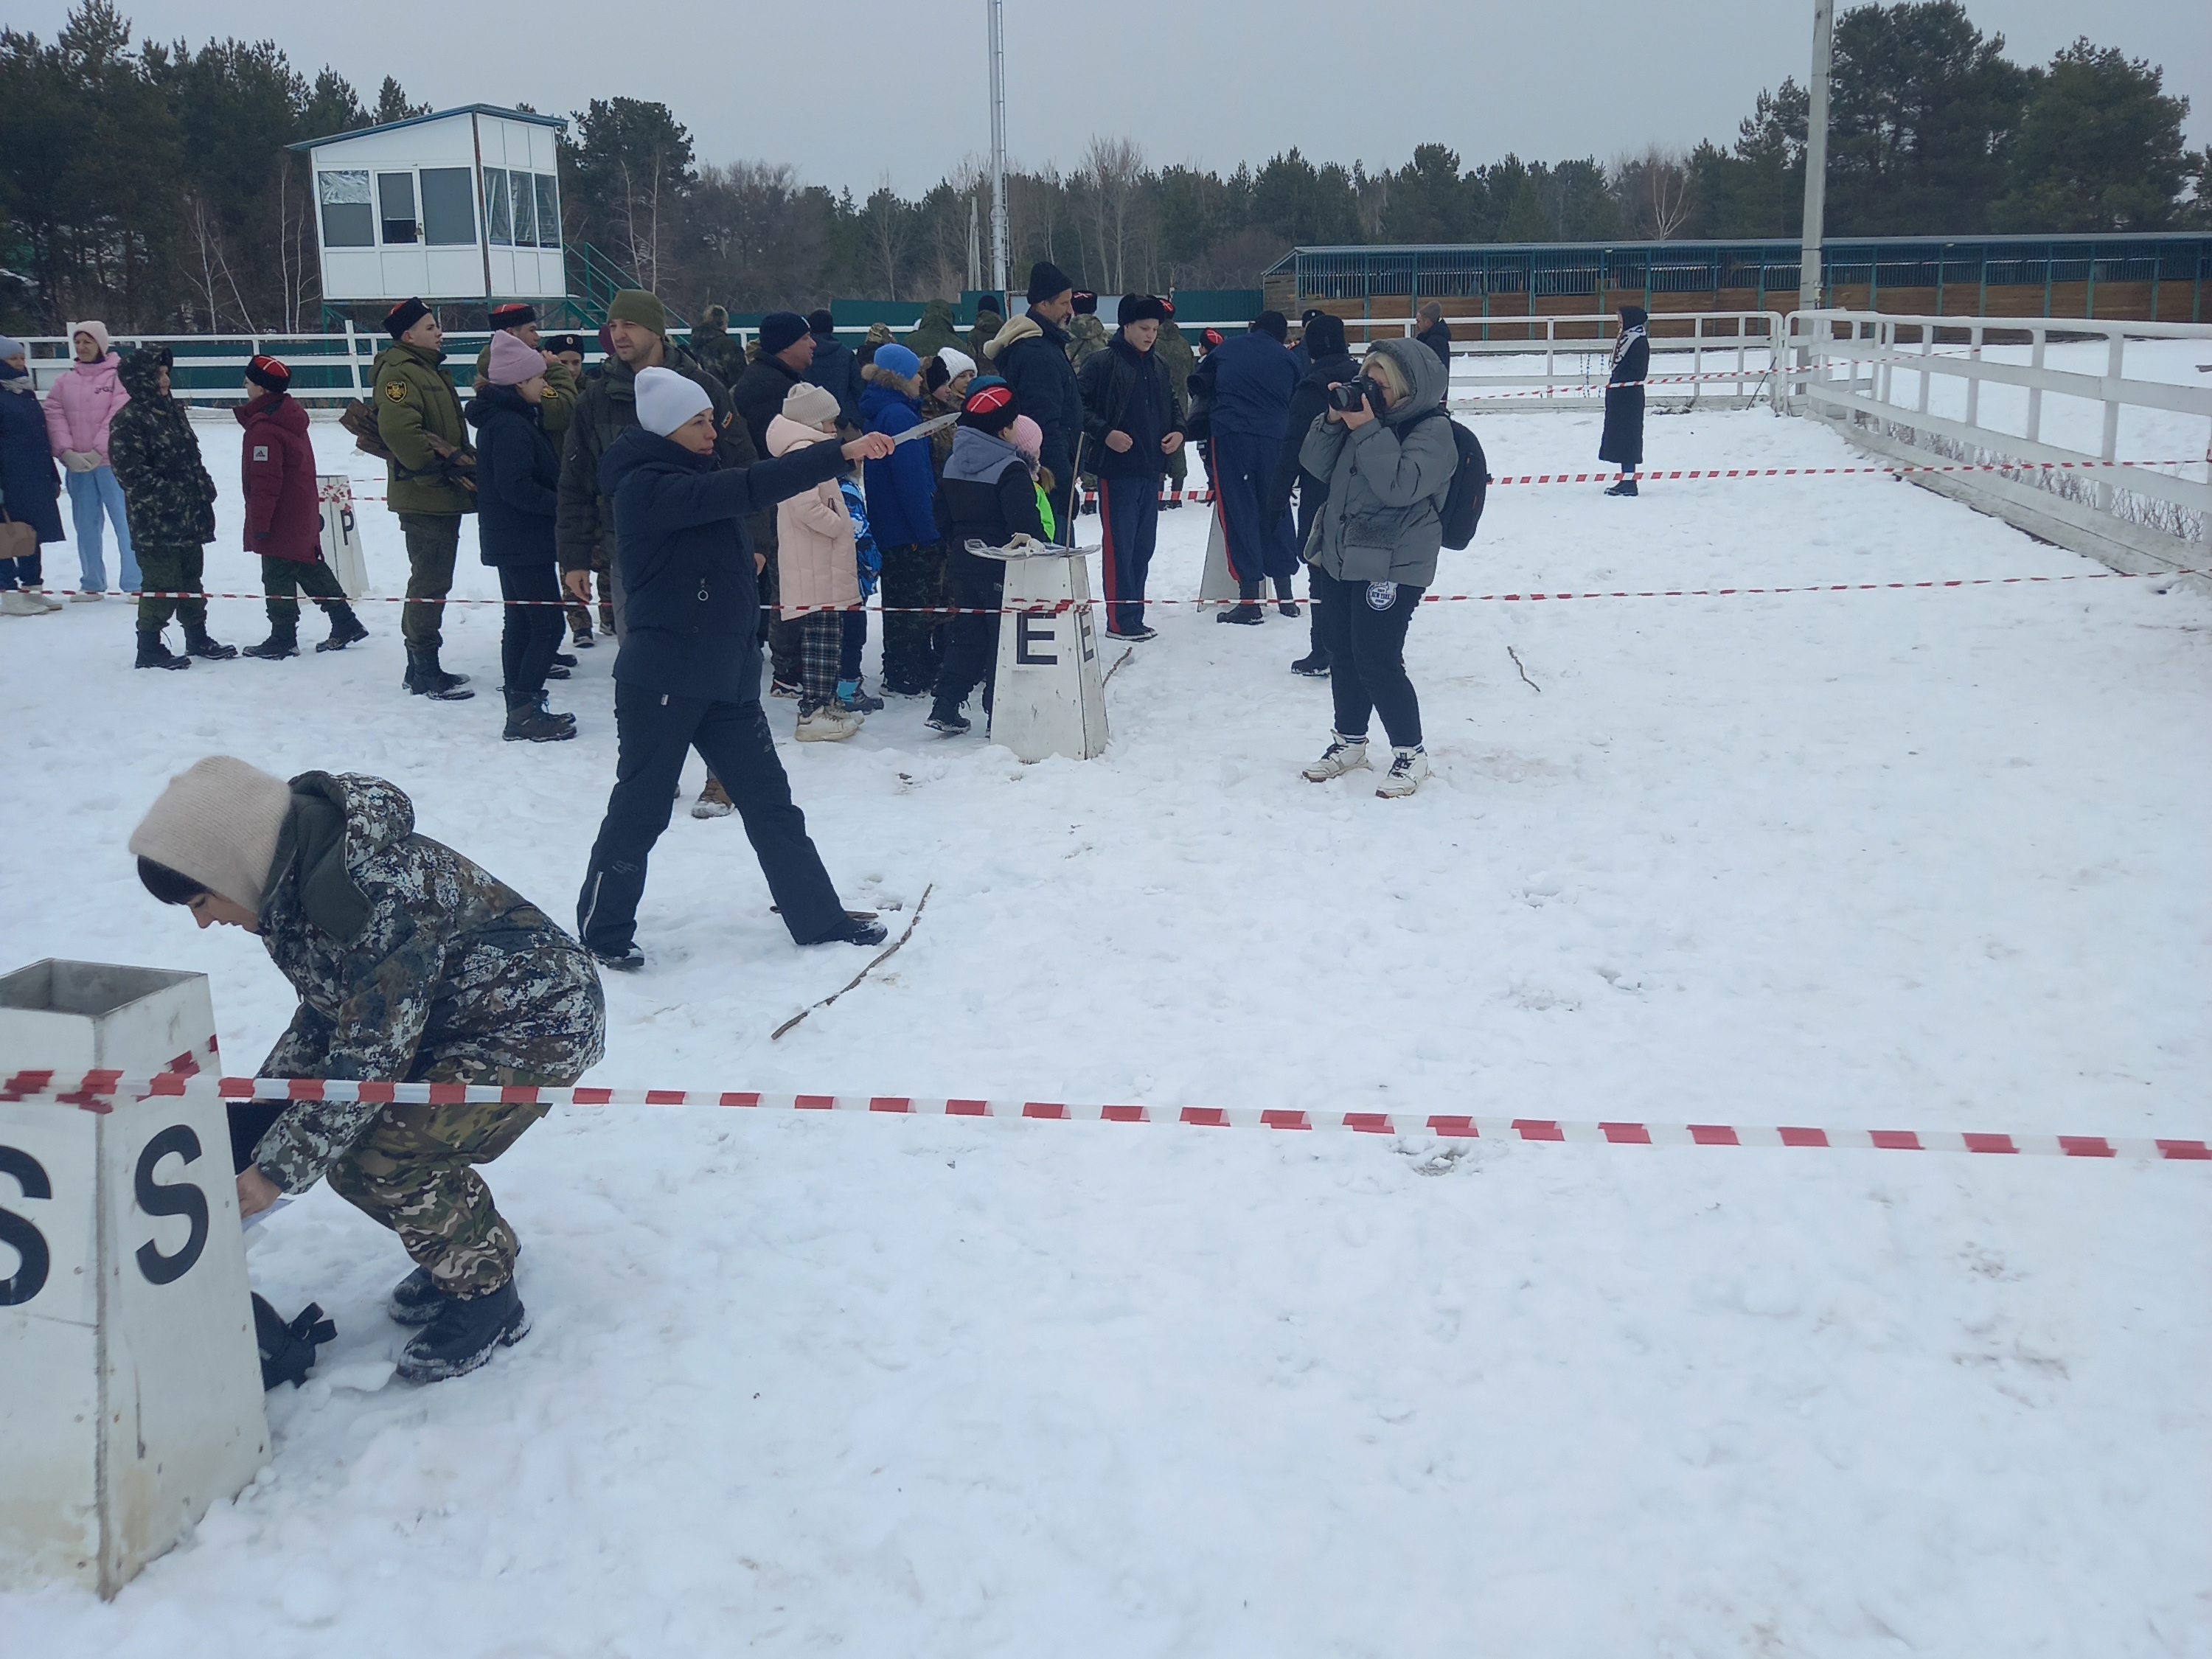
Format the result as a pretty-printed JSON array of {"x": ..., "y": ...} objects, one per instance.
[
  {"x": 1125, "y": 390},
  {"x": 1253, "y": 376}
]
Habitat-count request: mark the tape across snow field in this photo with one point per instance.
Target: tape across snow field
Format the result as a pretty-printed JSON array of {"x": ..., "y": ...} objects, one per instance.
[{"x": 94, "y": 1090}]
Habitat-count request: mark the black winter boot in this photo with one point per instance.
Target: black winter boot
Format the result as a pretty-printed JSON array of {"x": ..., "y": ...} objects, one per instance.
[
  {"x": 197, "y": 643},
  {"x": 151, "y": 653},
  {"x": 282, "y": 642},
  {"x": 529, "y": 721},
  {"x": 1248, "y": 616},
  {"x": 463, "y": 1333},
  {"x": 345, "y": 629},
  {"x": 417, "y": 1299},
  {"x": 426, "y": 679},
  {"x": 1314, "y": 664}
]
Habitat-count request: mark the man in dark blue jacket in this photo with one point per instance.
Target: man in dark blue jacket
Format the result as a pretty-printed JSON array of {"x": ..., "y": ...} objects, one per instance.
[
  {"x": 1030, "y": 355},
  {"x": 689, "y": 674},
  {"x": 1246, "y": 383},
  {"x": 834, "y": 369},
  {"x": 1131, "y": 424}
]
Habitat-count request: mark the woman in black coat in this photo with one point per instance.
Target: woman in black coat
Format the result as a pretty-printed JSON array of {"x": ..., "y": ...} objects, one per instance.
[
  {"x": 29, "y": 487},
  {"x": 1623, "y": 442},
  {"x": 518, "y": 478}
]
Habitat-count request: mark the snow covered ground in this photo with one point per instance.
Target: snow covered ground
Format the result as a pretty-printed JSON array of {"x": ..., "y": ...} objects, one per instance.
[{"x": 1900, "y": 859}]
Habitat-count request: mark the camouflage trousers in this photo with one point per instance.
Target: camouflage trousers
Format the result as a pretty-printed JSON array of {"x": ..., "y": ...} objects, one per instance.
[
  {"x": 414, "y": 1171},
  {"x": 171, "y": 570},
  {"x": 433, "y": 540}
]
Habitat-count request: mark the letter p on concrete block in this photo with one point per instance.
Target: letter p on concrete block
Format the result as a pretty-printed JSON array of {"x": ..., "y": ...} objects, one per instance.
[{"x": 129, "y": 1377}]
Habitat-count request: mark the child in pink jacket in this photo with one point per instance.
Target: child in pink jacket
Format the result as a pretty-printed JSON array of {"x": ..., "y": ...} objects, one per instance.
[
  {"x": 817, "y": 573},
  {"x": 79, "y": 411}
]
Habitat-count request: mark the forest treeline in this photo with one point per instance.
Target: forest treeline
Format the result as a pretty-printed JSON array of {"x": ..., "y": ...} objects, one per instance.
[{"x": 150, "y": 184}]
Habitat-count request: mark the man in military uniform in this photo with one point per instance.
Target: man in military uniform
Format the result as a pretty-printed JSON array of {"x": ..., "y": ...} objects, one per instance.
[
  {"x": 1178, "y": 360},
  {"x": 936, "y": 330},
  {"x": 988, "y": 321},
  {"x": 412, "y": 965},
  {"x": 563, "y": 385},
  {"x": 169, "y": 500},
  {"x": 717, "y": 354},
  {"x": 1086, "y": 338},
  {"x": 418, "y": 417}
]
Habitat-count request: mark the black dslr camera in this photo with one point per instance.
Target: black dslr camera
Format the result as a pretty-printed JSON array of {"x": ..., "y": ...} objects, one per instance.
[{"x": 1352, "y": 394}]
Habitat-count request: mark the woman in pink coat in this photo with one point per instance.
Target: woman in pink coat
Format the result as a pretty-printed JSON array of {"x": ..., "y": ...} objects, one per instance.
[
  {"x": 79, "y": 409},
  {"x": 818, "y": 572}
]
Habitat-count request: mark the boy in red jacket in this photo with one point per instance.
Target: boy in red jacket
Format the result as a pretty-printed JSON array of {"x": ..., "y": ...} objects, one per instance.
[{"x": 284, "y": 517}]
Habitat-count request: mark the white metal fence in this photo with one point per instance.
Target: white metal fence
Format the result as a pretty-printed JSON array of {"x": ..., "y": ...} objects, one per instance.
[{"x": 1990, "y": 391}]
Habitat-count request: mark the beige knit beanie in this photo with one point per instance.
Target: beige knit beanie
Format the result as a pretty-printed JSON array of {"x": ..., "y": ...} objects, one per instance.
[{"x": 218, "y": 824}]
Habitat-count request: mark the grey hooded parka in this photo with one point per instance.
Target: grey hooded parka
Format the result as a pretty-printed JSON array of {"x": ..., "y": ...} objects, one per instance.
[{"x": 1387, "y": 481}]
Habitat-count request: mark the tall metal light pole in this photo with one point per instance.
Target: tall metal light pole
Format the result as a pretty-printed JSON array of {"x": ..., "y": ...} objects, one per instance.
[
  {"x": 1816, "y": 156},
  {"x": 998, "y": 49}
]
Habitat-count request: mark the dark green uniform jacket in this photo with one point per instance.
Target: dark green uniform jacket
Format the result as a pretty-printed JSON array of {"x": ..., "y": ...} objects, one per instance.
[
  {"x": 412, "y": 397},
  {"x": 403, "y": 953}
]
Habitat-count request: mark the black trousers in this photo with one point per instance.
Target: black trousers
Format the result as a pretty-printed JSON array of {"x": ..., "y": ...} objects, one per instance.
[
  {"x": 532, "y": 632},
  {"x": 1366, "y": 646},
  {"x": 972, "y": 655},
  {"x": 1307, "y": 512},
  {"x": 653, "y": 731},
  {"x": 1129, "y": 515}
]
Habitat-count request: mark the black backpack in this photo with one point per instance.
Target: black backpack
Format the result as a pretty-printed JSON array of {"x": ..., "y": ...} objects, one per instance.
[{"x": 1470, "y": 484}]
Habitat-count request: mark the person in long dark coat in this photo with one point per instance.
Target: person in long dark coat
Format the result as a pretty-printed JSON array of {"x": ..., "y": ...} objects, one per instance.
[{"x": 1623, "y": 442}]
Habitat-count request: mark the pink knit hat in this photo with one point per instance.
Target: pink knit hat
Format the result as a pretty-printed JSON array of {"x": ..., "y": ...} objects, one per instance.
[
  {"x": 512, "y": 361},
  {"x": 1028, "y": 436}
]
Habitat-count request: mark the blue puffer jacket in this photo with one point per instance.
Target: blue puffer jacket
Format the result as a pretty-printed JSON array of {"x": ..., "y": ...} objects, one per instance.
[
  {"x": 903, "y": 489},
  {"x": 691, "y": 623}
]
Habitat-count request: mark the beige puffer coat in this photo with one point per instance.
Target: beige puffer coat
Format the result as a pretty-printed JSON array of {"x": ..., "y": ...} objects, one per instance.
[{"x": 815, "y": 559}]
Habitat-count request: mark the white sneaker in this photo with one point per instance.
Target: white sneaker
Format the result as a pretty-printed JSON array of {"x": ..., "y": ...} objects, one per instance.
[
  {"x": 827, "y": 724},
  {"x": 17, "y": 603},
  {"x": 1408, "y": 767},
  {"x": 1343, "y": 755},
  {"x": 85, "y": 596}
]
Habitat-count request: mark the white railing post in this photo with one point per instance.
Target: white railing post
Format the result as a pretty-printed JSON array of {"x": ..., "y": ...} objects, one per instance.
[
  {"x": 1974, "y": 378},
  {"x": 2115, "y": 357},
  {"x": 2035, "y": 389}
]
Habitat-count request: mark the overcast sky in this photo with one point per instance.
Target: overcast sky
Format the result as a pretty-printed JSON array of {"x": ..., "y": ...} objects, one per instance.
[{"x": 853, "y": 94}]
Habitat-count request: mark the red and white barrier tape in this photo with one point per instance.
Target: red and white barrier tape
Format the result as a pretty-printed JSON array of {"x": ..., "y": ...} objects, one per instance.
[
  {"x": 1735, "y": 474},
  {"x": 1060, "y": 606},
  {"x": 97, "y": 1090}
]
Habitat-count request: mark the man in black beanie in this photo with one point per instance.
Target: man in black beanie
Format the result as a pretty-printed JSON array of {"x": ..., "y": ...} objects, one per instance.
[
  {"x": 1131, "y": 423},
  {"x": 835, "y": 369},
  {"x": 1032, "y": 355}
]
